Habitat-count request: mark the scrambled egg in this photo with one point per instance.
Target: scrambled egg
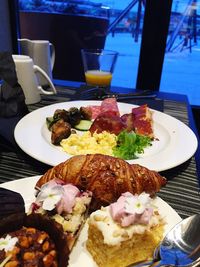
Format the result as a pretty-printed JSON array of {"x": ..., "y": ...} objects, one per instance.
[{"x": 86, "y": 143}]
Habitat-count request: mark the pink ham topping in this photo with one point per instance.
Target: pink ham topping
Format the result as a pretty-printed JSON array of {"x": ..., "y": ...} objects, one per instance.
[
  {"x": 59, "y": 196},
  {"x": 125, "y": 216},
  {"x": 67, "y": 202}
]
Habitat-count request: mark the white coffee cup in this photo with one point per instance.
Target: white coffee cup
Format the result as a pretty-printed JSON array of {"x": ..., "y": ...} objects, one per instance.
[
  {"x": 27, "y": 78},
  {"x": 43, "y": 54}
]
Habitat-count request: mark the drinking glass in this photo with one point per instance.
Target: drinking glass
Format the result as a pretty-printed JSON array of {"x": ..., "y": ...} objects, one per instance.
[{"x": 98, "y": 66}]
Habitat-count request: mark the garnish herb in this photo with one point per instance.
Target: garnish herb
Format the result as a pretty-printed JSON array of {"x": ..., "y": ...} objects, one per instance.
[{"x": 129, "y": 144}]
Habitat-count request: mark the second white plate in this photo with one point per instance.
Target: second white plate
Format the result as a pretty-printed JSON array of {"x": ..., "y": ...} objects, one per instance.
[
  {"x": 176, "y": 142},
  {"x": 79, "y": 255}
]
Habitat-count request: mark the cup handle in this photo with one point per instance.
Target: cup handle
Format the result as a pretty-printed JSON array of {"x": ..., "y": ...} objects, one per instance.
[
  {"x": 53, "y": 55},
  {"x": 43, "y": 73}
]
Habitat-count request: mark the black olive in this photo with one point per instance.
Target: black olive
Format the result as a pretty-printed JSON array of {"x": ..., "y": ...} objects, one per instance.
[
  {"x": 61, "y": 114},
  {"x": 74, "y": 116}
]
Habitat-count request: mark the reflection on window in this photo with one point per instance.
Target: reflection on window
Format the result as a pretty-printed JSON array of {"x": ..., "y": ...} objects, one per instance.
[
  {"x": 64, "y": 6},
  {"x": 183, "y": 27},
  {"x": 181, "y": 65},
  {"x": 125, "y": 37}
]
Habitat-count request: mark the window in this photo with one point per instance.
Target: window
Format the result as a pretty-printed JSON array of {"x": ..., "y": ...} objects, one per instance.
[
  {"x": 125, "y": 37},
  {"x": 181, "y": 68},
  {"x": 141, "y": 37}
]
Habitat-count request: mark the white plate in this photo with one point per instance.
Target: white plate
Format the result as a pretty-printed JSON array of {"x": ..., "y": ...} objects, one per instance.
[
  {"x": 79, "y": 255},
  {"x": 176, "y": 142}
]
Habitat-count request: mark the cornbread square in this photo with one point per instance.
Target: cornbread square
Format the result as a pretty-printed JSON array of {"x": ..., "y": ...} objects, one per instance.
[
  {"x": 138, "y": 248},
  {"x": 123, "y": 248}
]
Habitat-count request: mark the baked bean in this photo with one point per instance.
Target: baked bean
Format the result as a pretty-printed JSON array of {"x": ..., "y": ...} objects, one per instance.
[
  {"x": 29, "y": 256},
  {"x": 42, "y": 237},
  {"x": 12, "y": 264},
  {"x": 45, "y": 246}
]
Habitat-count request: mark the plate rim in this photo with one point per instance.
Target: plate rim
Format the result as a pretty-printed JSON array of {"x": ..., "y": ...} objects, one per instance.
[{"x": 64, "y": 156}]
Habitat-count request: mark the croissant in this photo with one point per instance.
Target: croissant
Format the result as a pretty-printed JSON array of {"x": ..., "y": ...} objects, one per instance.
[{"x": 106, "y": 176}]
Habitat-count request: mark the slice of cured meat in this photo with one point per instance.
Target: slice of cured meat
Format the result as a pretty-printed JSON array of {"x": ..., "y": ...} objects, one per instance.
[
  {"x": 107, "y": 121},
  {"x": 96, "y": 110},
  {"x": 128, "y": 121},
  {"x": 142, "y": 112},
  {"x": 107, "y": 105},
  {"x": 110, "y": 104},
  {"x": 142, "y": 120}
]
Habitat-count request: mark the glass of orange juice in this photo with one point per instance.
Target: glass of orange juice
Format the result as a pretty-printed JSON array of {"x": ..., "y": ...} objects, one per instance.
[{"x": 98, "y": 66}]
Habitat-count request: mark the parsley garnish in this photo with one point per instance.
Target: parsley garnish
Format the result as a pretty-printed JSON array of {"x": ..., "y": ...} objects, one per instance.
[{"x": 130, "y": 144}]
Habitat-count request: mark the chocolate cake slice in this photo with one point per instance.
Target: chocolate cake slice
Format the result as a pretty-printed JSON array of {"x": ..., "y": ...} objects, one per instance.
[
  {"x": 29, "y": 240},
  {"x": 32, "y": 240}
]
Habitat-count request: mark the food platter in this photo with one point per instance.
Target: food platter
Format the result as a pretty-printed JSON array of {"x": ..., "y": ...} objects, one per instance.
[
  {"x": 175, "y": 142},
  {"x": 79, "y": 255}
]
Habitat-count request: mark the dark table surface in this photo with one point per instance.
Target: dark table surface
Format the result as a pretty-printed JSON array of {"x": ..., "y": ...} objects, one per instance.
[{"x": 182, "y": 189}]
